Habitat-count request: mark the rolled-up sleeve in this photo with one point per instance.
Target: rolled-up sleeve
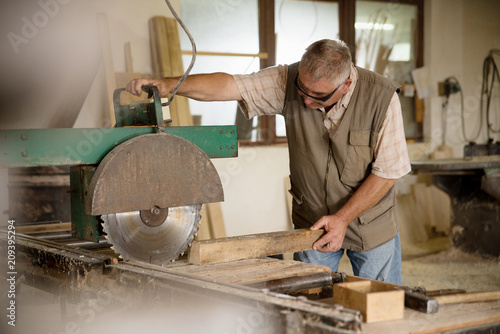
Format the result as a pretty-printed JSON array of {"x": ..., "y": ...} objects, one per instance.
[
  {"x": 391, "y": 153},
  {"x": 263, "y": 92}
]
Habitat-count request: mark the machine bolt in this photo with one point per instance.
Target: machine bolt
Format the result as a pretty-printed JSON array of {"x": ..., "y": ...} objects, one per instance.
[
  {"x": 24, "y": 136},
  {"x": 24, "y": 153}
]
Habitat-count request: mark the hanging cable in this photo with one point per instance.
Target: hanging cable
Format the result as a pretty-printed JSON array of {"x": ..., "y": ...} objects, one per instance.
[
  {"x": 193, "y": 58},
  {"x": 453, "y": 86},
  {"x": 489, "y": 68}
]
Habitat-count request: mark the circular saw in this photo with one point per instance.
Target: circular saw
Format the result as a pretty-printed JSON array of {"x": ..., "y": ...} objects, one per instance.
[
  {"x": 156, "y": 236},
  {"x": 148, "y": 192}
]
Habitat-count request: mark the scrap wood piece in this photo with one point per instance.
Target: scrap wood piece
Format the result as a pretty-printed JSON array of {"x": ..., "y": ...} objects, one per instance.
[{"x": 252, "y": 246}]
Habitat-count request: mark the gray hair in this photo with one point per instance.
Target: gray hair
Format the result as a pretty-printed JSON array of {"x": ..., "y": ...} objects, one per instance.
[{"x": 327, "y": 59}]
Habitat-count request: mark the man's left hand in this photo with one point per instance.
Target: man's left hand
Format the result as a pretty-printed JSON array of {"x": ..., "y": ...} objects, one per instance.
[{"x": 335, "y": 228}]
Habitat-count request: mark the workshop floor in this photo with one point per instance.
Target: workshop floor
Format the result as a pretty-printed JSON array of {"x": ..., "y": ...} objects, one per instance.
[{"x": 436, "y": 265}]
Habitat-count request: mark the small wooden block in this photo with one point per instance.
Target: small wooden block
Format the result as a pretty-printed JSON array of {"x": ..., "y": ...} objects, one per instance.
[{"x": 375, "y": 300}]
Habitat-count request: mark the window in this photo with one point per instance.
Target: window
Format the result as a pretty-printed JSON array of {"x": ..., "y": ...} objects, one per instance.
[
  {"x": 298, "y": 24},
  {"x": 226, "y": 35},
  {"x": 237, "y": 36},
  {"x": 387, "y": 42}
]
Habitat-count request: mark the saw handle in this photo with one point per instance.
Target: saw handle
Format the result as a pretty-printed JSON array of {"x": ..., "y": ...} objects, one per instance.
[
  {"x": 121, "y": 112},
  {"x": 152, "y": 91}
]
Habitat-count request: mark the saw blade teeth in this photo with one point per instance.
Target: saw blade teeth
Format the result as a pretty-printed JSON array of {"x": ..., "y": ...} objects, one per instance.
[{"x": 167, "y": 246}]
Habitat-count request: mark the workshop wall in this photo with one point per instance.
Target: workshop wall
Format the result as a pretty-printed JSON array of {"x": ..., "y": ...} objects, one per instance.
[{"x": 458, "y": 35}]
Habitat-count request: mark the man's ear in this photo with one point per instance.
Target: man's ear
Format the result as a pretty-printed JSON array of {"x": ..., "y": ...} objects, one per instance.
[{"x": 346, "y": 85}]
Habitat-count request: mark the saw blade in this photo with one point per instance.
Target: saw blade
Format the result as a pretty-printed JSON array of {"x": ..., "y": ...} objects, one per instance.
[{"x": 137, "y": 236}]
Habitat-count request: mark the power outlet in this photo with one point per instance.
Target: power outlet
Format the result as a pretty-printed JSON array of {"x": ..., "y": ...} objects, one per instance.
[{"x": 446, "y": 88}]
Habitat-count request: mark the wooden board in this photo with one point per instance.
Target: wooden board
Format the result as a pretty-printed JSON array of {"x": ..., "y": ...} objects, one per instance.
[
  {"x": 250, "y": 271},
  {"x": 167, "y": 62},
  {"x": 109, "y": 69},
  {"x": 216, "y": 219},
  {"x": 252, "y": 246}
]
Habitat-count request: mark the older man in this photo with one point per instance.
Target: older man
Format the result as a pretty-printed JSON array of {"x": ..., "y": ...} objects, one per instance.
[{"x": 346, "y": 143}]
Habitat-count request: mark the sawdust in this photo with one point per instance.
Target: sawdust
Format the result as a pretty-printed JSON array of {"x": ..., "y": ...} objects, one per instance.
[{"x": 452, "y": 268}]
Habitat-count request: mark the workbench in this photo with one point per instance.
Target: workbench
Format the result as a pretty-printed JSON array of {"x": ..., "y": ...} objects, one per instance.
[{"x": 219, "y": 296}]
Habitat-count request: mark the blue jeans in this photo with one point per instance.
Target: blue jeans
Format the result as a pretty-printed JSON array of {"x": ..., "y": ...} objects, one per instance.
[{"x": 382, "y": 263}]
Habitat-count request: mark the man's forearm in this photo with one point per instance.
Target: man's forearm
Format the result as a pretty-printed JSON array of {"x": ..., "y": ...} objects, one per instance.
[
  {"x": 207, "y": 87},
  {"x": 368, "y": 194},
  {"x": 202, "y": 87}
]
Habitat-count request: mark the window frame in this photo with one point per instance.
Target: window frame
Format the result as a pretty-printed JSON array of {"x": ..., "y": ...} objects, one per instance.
[{"x": 347, "y": 17}]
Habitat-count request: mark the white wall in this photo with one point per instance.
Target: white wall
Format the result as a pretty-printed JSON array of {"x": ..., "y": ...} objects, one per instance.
[{"x": 458, "y": 36}]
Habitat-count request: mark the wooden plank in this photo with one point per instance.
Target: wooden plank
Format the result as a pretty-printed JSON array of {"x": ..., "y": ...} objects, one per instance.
[
  {"x": 252, "y": 246},
  {"x": 420, "y": 196},
  {"x": 182, "y": 116},
  {"x": 167, "y": 62},
  {"x": 251, "y": 271},
  {"x": 216, "y": 220},
  {"x": 40, "y": 228},
  {"x": 412, "y": 231},
  {"x": 129, "y": 65},
  {"x": 109, "y": 68},
  {"x": 154, "y": 48},
  {"x": 442, "y": 209}
]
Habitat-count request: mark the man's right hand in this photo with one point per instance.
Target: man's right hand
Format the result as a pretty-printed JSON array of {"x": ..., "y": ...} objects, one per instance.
[{"x": 135, "y": 86}]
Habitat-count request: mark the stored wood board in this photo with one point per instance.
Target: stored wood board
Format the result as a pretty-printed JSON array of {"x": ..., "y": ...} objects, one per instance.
[
  {"x": 252, "y": 246},
  {"x": 250, "y": 271},
  {"x": 167, "y": 62},
  {"x": 217, "y": 227},
  {"x": 448, "y": 318},
  {"x": 109, "y": 69}
]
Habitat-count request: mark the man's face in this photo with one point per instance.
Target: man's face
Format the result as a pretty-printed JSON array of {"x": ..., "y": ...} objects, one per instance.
[{"x": 315, "y": 92}]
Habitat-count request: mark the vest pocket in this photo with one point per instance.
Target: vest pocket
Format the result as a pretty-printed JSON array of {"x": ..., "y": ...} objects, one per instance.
[
  {"x": 300, "y": 211},
  {"x": 359, "y": 156},
  {"x": 379, "y": 224}
]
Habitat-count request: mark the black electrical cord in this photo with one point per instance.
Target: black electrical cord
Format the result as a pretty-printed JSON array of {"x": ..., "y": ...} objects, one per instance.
[
  {"x": 449, "y": 82},
  {"x": 193, "y": 58},
  {"x": 489, "y": 69}
]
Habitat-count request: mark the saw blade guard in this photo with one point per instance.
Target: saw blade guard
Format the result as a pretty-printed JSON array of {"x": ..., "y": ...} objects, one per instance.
[{"x": 153, "y": 171}]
